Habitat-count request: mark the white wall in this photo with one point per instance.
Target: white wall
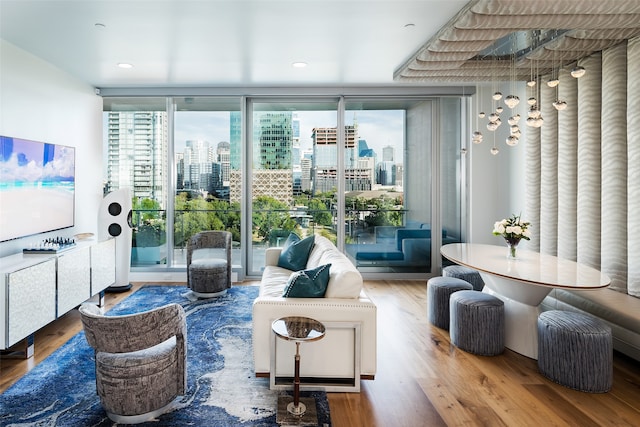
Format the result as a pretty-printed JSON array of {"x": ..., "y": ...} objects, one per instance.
[
  {"x": 496, "y": 183},
  {"x": 40, "y": 102}
]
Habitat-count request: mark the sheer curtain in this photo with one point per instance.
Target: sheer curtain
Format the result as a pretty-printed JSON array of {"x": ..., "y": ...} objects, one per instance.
[{"x": 583, "y": 167}]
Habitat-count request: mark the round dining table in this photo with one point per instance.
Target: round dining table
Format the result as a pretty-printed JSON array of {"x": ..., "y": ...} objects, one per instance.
[{"x": 522, "y": 283}]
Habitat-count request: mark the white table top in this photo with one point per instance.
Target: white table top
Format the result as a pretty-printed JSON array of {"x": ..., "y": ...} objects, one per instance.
[{"x": 529, "y": 267}]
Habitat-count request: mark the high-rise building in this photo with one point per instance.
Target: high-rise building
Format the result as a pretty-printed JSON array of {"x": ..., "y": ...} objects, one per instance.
[
  {"x": 386, "y": 173},
  {"x": 387, "y": 153},
  {"x": 272, "y": 173},
  {"x": 224, "y": 158},
  {"x": 325, "y": 158},
  {"x": 179, "y": 171},
  {"x": 137, "y": 153},
  {"x": 198, "y": 157},
  {"x": 305, "y": 171},
  {"x": 235, "y": 139},
  {"x": 273, "y": 141}
]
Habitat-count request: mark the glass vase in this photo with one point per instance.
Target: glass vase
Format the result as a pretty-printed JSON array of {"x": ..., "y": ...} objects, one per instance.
[{"x": 512, "y": 244}]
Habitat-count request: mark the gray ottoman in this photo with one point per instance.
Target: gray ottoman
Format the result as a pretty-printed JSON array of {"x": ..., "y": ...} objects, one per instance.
[
  {"x": 477, "y": 322},
  {"x": 575, "y": 350},
  {"x": 465, "y": 273},
  {"x": 439, "y": 289},
  {"x": 208, "y": 277}
]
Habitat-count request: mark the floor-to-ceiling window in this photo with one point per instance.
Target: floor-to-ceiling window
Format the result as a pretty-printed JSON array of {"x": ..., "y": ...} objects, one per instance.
[
  {"x": 136, "y": 134},
  {"x": 207, "y": 153},
  {"x": 288, "y": 189},
  {"x": 381, "y": 177},
  {"x": 390, "y": 174}
]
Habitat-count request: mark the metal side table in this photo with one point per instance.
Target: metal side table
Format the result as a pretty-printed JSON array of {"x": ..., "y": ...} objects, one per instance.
[{"x": 302, "y": 411}]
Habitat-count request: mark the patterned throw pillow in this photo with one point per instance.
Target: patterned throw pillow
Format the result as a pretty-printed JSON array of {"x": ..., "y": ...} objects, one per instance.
[
  {"x": 308, "y": 283},
  {"x": 296, "y": 252}
]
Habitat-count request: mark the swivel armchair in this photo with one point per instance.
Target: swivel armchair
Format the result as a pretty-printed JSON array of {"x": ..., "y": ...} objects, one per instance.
[
  {"x": 140, "y": 360},
  {"x": 210, "y": 275}
]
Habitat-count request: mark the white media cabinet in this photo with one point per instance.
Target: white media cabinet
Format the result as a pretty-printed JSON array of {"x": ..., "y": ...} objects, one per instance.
[{"x": 39, "y": 288}]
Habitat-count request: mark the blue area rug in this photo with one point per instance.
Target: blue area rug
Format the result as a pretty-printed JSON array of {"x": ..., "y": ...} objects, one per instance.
[{"x": 222, "y": 388}]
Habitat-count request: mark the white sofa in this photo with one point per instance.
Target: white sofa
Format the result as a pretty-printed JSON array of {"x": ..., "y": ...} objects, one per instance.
[{"x": 347, "y": 352}]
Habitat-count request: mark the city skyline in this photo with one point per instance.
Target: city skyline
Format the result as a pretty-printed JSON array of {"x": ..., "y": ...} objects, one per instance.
[{"x": 378, "y": 128}]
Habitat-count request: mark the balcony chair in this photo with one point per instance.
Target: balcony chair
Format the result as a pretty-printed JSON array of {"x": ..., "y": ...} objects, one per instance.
[
  {"x": 209, "y": 276},
  {"x": 140, "y": 360}
]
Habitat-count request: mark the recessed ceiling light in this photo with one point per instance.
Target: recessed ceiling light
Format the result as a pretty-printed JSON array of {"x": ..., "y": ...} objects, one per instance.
[
  {"x": 125, "y": 65},
  {"x": 99, "y": 25},
  {"x": 299, "y": 64},
  {"x": 409, "y": 25}
]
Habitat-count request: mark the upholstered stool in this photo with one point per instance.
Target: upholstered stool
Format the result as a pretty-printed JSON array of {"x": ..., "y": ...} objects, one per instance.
[
  {"x": 575, "y": 350},
  {"x": 208, "y": 277},
  {"x": 439, "y": 289},
  {"x": 477, "y": 322},
  {"x": 465, "y": 273}
]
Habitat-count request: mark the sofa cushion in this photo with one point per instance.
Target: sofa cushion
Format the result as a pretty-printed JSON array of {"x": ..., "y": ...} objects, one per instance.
[
  {"x": 345, "y": 281},
  {"x": 321, "y": 245},
  {"x": 274, "y": 279},
  {"x": 296, "y": 252},
  {"x": 308, "y": 283}
]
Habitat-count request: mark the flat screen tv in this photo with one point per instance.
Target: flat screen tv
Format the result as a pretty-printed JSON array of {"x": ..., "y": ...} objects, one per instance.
[{"x": 37, "y": 187}]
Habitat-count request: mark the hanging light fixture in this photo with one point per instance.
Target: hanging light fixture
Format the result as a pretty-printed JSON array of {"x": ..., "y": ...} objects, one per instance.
[
  {"x": 512, "y": 100},
  {"x": 559, "y": 105},
  {"x": 494, "y": 150},
  {"x": 578, "y": 71},
  {"x": 553, "y": 81},
  {"x": 476, "y": 136},
  {"x": 512, "y": 140},
  {"x": 513, "y": 120}
]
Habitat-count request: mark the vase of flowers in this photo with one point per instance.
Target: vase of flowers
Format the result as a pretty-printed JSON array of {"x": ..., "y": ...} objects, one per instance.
[{"x": 512, "y": 229}]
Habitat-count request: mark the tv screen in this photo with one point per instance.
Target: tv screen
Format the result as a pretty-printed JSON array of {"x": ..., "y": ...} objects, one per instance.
[{"x": 37, "y": 187}]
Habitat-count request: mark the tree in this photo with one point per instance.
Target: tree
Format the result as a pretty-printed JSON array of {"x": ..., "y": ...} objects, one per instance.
[
  {"x": 269, "y": 214},
  {"x": 318, "y": 210}
]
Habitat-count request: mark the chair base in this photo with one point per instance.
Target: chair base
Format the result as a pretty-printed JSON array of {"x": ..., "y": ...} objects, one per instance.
[
  {"x": 141, "y": 418},
  {"x": 209, "y": 294}
]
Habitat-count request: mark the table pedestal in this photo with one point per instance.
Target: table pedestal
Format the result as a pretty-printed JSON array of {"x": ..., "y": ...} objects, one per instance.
[
  {"x": 521, "y": 310},
  {"x": 302, "y": 411}
]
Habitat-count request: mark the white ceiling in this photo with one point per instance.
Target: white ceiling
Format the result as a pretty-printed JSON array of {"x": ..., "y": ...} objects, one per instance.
[{"x": 191, "y": 43}]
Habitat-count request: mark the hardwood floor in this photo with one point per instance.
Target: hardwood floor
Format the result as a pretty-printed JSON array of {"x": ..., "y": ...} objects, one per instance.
[{"x": 423, "y": 380}]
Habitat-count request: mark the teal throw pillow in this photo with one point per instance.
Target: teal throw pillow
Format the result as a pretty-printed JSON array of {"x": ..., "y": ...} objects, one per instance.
[
  {"x": 296, "y": 252},
  {"x": 310, "y": 283}
]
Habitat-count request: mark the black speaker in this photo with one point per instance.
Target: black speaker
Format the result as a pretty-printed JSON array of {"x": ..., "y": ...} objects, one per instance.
[{"x": 114, "y": 220}]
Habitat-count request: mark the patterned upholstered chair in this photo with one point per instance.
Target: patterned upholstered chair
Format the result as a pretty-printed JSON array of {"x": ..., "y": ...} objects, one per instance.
[
  {"x": 209, "y": 276},
  {"x": 140, "y": 360}
]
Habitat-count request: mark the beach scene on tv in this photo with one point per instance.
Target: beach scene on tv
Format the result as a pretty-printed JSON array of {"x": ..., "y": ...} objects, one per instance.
[{"x": 37, "y": 185}]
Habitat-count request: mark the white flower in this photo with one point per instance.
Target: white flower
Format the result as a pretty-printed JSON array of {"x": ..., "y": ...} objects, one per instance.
[{"x": 513, "y": 227}]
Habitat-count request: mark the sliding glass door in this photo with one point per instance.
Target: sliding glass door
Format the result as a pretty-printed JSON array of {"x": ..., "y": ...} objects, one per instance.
[
  {"x": 289, "y": 188},
  {"x": 207, "y": 141},
  {"x": 388, "y": 192}
]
